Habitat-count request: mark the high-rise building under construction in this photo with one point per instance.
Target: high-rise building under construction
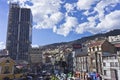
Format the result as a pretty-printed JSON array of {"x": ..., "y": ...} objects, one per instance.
[{"x": 19, "y": 32}]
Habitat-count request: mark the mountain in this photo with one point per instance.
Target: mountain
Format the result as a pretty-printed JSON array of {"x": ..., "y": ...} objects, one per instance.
[
  {"x": 84, "y": 39},
  {"x": 100, "y": 35}
]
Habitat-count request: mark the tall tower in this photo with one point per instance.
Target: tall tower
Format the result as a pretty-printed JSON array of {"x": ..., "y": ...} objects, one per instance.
[{"x": 19, "y": 32}]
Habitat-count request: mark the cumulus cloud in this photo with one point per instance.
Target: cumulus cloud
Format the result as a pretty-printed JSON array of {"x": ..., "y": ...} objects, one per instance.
[
  {"x": 100, "y": 21},
  {"x": 47, "y": 14},
  {"x": 70, "y": 7},
  {"x": 85, "y": 4},
  {"x": 35, "y": 46},
  {"x": 111, "y": 21},
  {"x": 2, "y": 45},
  {"x": 21, "y": 2},
  {"x": 81, "y": 28},
  {"x": 49, "y": 21},
  {"x": 69, "y": 25},
  {"x": 100, "y": 7}
]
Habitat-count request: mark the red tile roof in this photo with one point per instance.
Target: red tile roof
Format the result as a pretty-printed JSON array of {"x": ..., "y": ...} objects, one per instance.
[{"x": 96, "y": 43}]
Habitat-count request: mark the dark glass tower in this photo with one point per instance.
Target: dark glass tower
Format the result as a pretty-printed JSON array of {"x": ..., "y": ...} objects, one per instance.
[{"x": 19, "y": 33}]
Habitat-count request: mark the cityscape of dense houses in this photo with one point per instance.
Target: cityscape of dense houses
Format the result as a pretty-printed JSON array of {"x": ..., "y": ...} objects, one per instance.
[
  {"x": 101, "y": 55},
  {"x": 98, "y": 56}
]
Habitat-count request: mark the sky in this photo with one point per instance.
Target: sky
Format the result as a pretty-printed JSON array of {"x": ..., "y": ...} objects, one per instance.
[{"x": 64, "y": 20}]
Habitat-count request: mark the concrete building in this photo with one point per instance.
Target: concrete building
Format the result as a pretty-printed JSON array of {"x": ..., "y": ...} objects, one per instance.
[
  {"x": 71, "y": 62},
  {"x": 3, "y": 53},
  {"x": 19, "y": 32},
  {"x": 111, "y": 67},
  {"x": 36, "y": 55},
  {"x": 81, "y": 57},
  {"x": 114, "y": 39},
  {"x": 95, "y": 52},
  {"x": 36, "y": 59},
  {"x": 82, "y": 65},
  {"x": 6, "y": 67}
]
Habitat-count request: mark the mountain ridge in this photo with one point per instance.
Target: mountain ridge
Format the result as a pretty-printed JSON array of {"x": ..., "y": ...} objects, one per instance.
[{"x": 84, "y": 39}]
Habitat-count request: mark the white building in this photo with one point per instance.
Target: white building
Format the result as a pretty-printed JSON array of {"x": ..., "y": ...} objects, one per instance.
[
  {"x": 114, "y": 39},
  {"x": 36, "y": 55},
  {"x": 111, "y": 67},
  {"x": 80, "y": 51},
  {"x": 80, "y": 60}
]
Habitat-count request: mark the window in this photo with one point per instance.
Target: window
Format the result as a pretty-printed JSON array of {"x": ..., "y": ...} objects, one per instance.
[
  {"x": 6, "y": 70},
  {"x": 104, "y": 64},
  {"x": 93, "y": 48},
  {"x": 105, "y": 72},
  {"x": 81, "y": 50},
  {"x": 100, "y": 48},
  {"x": 111, "y": 64},
  {"x": 97, "y": 48},
  {"x": 116, "y": 64},
  {"x": 7, "y": 61},
  {"x": 90, "y": 49}
]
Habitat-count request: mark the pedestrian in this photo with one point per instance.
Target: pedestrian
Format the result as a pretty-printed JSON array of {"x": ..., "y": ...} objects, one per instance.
[
  {"x": 88, "y": 76},
  {"x": 100, "y": 77}
]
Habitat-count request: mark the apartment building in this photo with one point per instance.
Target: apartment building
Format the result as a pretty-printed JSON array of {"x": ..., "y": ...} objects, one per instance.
[
  {"x": 81, "y": 59},
  {"x": 95, "y": 52},
  {"x": 111, "y": 67}
]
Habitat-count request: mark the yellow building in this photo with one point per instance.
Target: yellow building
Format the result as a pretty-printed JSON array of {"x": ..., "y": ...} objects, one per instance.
[
  {"x": 7, "y": 68},
  {"x": 6, "y": 65}
]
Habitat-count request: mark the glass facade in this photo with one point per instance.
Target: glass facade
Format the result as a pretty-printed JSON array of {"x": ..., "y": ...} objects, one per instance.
[{"x": 19, "y": 33}]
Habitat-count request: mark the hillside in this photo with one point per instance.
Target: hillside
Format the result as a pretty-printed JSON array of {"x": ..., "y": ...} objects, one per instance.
[{"x": 84, "y": 39}]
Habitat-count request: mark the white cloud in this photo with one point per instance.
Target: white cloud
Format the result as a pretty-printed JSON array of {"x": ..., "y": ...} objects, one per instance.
[
  {"x": 106, "y": 22},
  {"x": 2, "y": 45},
  {"x": 86, "y": 27},
  {"x": 81, "y": 28},
  {"x": 69, "y": 25},
  {"x": 111, "y": 21},
  {"x": 49, "y": 22},
  {"x": 46, "y": 14},
  {"x": 70, "y": 7},
  {"x": 102, "y": 5},
  {"x": 85, "y": 4},
  {"x": 35, "y": 46},
  {"x": 87, "y": 13},
  {"x": 21, "y": 2}
]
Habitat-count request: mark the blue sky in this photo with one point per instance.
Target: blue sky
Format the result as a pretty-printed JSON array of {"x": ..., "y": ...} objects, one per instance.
[{"x": 65, "y": 20}]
